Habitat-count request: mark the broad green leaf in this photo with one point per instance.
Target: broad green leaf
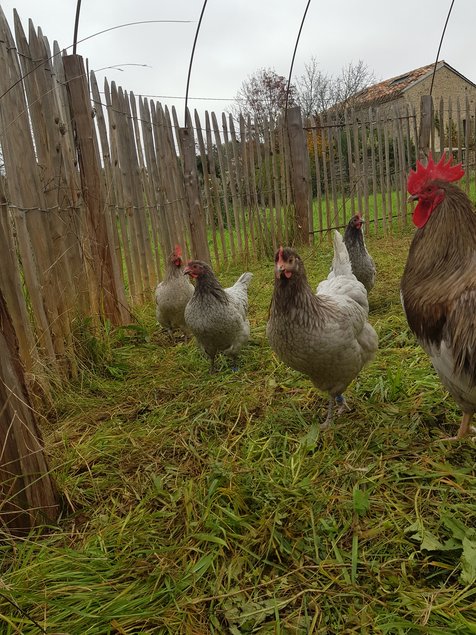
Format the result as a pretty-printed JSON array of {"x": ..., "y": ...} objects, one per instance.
[
  {"x": 457, "y": 528},
  {"x": 468, "y": 559},
  {"x": 361, "y": 501},
  {"x": 430, "y": 542}
]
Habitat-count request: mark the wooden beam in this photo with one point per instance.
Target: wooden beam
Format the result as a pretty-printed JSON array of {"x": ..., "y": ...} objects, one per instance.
[
  {"x": 426, "y": 122},
  {"x": 300, "y": 175},
  {"x": 196, "y": 217},
  {"x": 108, "y": 297},
  {"x": 28, "y": 496}
]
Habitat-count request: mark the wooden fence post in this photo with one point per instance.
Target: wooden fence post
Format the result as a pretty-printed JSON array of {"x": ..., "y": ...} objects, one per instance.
[
  {"x": 103, "y": 270},
  {"x": 426, "y": 123},
  {"x": 196, "y": 216},
  {"x": 28, "y": 496},
  {"x": 300, "y": 174}
]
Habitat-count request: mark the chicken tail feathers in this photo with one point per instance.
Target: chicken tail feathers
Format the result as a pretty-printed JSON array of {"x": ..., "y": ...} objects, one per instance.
[
  {"x": 239, "y": 292},
  {"x": 341, "y": 263},
  {"x": 244, "y": 279}
]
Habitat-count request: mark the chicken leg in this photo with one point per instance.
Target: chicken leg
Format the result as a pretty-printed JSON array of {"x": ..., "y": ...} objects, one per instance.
[
  {"x": 234, "y": 363},
  {"x": 330, "y": 414},
  {"x": 464, "y": 429},
  {"x": 342, "y": 407}
]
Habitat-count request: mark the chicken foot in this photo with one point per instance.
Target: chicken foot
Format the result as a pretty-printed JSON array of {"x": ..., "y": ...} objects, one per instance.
[
  {"x": 464, "y": 429},
  {"x": 213, "y": 365},
  {"x": 342, "y": 403},
  {"x": 173, "y": 338},
  {"x": 342, "y": 407}
]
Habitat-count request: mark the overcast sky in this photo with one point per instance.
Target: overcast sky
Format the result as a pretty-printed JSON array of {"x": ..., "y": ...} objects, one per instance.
[{"x": 238, "y": 37}]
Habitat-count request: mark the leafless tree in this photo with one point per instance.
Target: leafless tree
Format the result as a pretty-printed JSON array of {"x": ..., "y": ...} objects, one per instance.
[
  {"x": 317, "y": 91},
  {"x": 263, "y": 96},
  {"x": 354, "y": 78}
]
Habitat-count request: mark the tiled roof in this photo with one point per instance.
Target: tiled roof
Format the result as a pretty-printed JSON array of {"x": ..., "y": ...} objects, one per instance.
[{"x": 392, "y": 88}]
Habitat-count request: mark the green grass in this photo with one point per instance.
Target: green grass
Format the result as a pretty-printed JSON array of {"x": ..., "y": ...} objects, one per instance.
[
  {"x": 398, "y": 211},
  {"x": 192, "y": 505}
]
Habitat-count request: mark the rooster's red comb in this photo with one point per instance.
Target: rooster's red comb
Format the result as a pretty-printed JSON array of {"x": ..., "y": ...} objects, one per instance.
[
  {"x": 443, "y": 170},
  {"x": 178, "y": 251}
]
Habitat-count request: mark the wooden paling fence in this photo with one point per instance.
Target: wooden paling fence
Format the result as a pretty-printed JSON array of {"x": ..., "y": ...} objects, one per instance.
[
  {"x": 361, "y": 160},
  {"x": 97, "y": 186}
]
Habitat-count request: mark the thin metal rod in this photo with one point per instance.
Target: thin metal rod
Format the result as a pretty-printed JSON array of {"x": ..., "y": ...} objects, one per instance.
[
  {"x": 76, "y": 26},
  {"x": 441, "y": 42},
  {"x": 191, "y": 58},
  {"x": 294, "y": 55}
]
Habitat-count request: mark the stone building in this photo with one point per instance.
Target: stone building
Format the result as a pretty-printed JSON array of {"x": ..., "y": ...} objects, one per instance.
[{"x": 406, "y": 90}]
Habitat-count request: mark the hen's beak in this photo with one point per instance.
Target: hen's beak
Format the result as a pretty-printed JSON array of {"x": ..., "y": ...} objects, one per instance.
[
  {"x": 186, "y": 271},
  {"x": 282, "y": 269},
  {"x": 412, "y": 197}
]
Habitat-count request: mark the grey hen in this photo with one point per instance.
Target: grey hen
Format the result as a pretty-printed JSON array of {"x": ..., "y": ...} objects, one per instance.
[
  {"x": 172, "y": 295},
  {"x": 217, "y": 316},
  {"x": 325, "y": 336},
  {"x": 363, "y": 266}
]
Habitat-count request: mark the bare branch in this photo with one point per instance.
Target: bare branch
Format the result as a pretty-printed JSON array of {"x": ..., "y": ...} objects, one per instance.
[
  {"x": 263, "y": 96},
  {"x": 317, "y": 91}
]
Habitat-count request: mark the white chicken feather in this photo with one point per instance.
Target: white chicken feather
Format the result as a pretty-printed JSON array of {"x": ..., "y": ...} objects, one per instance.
[{"x": 341, "y": 280}]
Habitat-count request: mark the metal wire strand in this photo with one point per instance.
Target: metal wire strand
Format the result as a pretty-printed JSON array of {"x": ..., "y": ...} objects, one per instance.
[
  {"x": 88, "y": 37},
  {"x": 191, "y": 58},
  {"x": 294, "y": 56},
  {"x": 439, "y": 47}
]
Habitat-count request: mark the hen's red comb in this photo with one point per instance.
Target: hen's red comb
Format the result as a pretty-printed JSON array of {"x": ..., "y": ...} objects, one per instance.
[
  {"x": 442, "y": 170},
  {"x": 178, "y": 251}
]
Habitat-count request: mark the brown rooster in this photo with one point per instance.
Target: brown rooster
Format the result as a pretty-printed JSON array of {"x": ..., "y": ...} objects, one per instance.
[{"x": 438, "y": 286}]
